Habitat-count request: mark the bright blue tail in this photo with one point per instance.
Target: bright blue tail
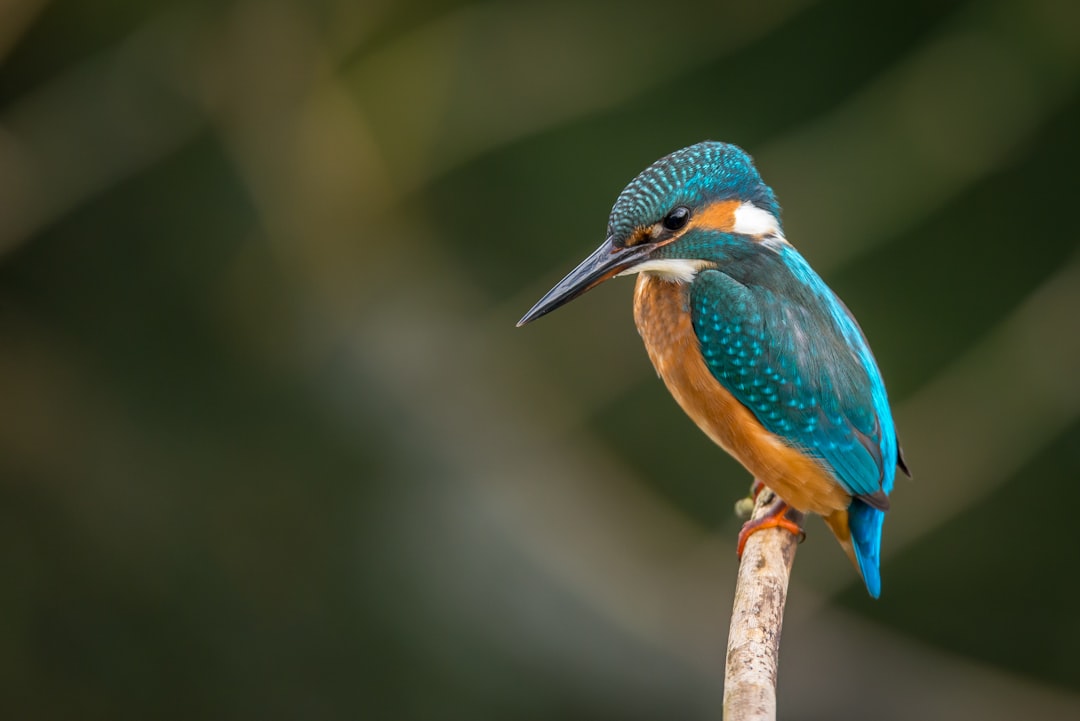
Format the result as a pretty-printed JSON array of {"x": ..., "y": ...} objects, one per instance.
[{"x": 865, "y": 524}]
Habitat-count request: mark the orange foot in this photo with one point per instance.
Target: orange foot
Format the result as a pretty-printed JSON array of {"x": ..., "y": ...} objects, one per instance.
[{"x": 779, "y": 516}]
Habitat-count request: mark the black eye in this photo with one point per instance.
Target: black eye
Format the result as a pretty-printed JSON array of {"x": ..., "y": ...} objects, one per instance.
[{"x": 677, "y": 218}]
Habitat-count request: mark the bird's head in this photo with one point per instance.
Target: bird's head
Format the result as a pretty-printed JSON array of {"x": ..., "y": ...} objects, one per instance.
[{"x": 689, "y": 210}]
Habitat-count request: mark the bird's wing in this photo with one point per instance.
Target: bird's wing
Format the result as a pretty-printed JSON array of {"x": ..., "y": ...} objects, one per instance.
[{"x": 800, "y": 364}]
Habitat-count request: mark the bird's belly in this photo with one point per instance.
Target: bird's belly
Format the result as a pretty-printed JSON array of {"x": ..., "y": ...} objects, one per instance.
[{"x": 661, "y": 311}]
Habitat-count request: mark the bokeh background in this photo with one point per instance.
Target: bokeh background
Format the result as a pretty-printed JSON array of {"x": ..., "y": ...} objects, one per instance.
[{"x": 271, "y": 446}]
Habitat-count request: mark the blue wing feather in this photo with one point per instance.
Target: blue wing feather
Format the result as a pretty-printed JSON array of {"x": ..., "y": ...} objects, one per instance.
[{"x": 785, "y": 346}]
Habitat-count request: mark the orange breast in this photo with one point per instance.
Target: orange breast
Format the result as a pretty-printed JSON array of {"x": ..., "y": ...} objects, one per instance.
[{"x": 661, "y": 311}]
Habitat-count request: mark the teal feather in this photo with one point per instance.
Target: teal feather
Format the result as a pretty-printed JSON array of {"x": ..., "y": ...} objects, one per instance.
[
  {"x": 781, "y": 342},
  {"x": 865, "y": 523},
  {"x": 791, "y": 354}
]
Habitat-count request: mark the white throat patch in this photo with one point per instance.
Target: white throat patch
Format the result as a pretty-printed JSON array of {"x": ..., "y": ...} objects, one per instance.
[{"x": 675, "y": 270}]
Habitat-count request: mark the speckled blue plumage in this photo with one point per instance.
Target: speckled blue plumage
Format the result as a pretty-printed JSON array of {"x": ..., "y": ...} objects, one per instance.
[
  {"x": 782, "y": 343},
  {"x": 774, "y": 335},
  {"x": 688, "y": 177}
]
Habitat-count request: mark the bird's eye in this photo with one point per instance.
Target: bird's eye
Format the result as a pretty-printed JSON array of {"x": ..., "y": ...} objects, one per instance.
[{"x": 677, "y": 218}]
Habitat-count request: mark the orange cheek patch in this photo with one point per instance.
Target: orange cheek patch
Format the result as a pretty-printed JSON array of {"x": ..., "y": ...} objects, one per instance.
[{"x": 718, "y": 216}]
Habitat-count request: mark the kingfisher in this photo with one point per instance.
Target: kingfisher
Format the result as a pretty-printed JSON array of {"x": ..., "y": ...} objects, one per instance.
[{"x": 753, "y": 345}]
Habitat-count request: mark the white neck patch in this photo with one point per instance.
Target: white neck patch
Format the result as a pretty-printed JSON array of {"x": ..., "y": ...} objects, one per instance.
[
  {"x": 675, "y": 270},
  {"x": 755, "y": 221}
]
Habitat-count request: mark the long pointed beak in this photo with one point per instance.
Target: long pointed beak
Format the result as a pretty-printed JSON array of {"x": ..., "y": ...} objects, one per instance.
[{"x": 606, "y": 262}]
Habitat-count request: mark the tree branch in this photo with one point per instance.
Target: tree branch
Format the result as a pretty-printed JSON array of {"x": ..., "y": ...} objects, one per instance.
[{"x": 757, "y": 618}]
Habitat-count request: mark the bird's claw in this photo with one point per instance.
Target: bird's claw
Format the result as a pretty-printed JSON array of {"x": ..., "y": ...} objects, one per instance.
[{"x": 781, "y": 515}]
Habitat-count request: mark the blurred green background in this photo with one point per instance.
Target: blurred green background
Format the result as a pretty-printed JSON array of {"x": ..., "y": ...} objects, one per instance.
[{"x": 271, "y": 446}]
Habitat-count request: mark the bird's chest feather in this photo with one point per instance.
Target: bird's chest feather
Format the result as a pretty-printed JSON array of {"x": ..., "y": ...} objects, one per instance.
[{"x": 661, "y": 312}]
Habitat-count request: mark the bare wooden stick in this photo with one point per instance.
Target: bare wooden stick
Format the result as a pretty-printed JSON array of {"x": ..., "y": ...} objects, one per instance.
[{"x": 758, "y": 617}]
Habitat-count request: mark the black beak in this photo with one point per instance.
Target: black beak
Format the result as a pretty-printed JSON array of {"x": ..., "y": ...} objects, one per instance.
[{"x": 606, "y": 262}]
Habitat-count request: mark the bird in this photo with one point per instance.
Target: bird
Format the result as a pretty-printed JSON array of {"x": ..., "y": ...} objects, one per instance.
[{"x": 750, "y": 341}]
